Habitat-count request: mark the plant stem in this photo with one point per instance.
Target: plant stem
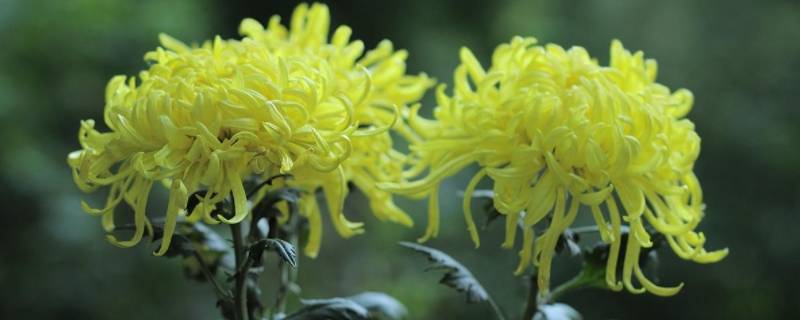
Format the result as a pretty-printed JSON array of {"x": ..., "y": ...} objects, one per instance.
[
  {"x": 532, "y": 303},
  {"x": 221, "y": 293},
  {"x": 283, "y": 288},
  {"x": 588, "y": 277},
  {"x": 239, "y": 293},
  {"x": 590, "y": 229},
  {"x": 574, "y": 283},
  {"x": 585, "y": 229},
  {"x": 497, "y": 311},
  {"x": 287, "y": 276}
]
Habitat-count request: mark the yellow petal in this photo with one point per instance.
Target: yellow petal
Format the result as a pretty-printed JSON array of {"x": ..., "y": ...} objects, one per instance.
[
  {"x": 142, "y": 192},
  {"x": 241, "y": 208},
  {"x": 652, "y": 287},
  {"x": 525, "y": 255},
  {"x": 467, "y": 207},
  {"x": 177, "y": 203}
]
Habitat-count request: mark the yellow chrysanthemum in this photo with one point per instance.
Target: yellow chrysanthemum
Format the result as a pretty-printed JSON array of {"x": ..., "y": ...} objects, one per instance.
[
  {"x": 278, "y": 101},
  {"x": 555, "y": 131},
  {"x": 372, "y": 158}
]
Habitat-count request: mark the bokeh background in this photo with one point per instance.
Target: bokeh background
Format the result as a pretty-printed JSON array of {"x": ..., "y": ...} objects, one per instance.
[{"x": 740, "y": 58}]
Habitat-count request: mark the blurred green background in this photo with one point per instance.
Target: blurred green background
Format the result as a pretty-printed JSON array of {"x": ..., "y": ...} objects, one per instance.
[{"x": 740, "y": 58}]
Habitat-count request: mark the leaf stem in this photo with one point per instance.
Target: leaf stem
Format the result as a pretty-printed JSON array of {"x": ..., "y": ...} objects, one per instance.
[
  {"x": 250, "y": 193},
  {"x": 590, "y": 229},
  {"x": 239, "y": 293},
  {"x": 532, "y": 303},
  {"x": 287, "y": 275},
  {"x": 577, "y": 282},
  {"x": 283, "y": 288},
  {"x": 221, "y": 293},
  {"x": 497, "y": 311},
  {"x": 585, "y": 229},
  {"x": 587, "y": 277}
]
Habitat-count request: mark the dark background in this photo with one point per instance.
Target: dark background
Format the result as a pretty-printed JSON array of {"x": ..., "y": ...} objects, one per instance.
[{"x": 741, "y": 59}]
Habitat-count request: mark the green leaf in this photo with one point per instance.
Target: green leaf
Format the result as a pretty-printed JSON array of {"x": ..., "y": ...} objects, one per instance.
[
  {"x": 330, "y": 309},
  {"x": 207, "y": 238},
  {"x": 556, "y": 311},
  {"x": 284, "y": 249},
  {"x": 592, "y": 275},
  {"x": 380, "y": 304},
  {"x": 191, "y": 238},
  {"x": 208, "y": 244},
  {"x": 456, "y": 275}
]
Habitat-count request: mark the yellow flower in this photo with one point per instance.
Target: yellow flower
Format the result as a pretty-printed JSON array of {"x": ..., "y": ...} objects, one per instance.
[
  {"x": 372, "y": 157},
  {"x": 555, "y": 132},
  {"x": 276, "y": 102}
]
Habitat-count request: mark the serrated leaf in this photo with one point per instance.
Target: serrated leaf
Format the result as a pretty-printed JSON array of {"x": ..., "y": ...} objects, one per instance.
[
  {"x": 380, "y": 304},
  {"x": 209, "y": 239},
  {"x": 456, "y": 275},
  {"x": 556, "y": 311},
  {"x": 193, "y": 237},
  {"x": 330, "y": 309},
  {"x": 284, "y": 249},
  {"x": 208, "y": 244},
  {"x": 190, "y": 239}
]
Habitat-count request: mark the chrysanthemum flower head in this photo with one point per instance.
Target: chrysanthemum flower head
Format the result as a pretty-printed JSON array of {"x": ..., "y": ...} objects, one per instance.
[
  {"x": 279, "y": 101},
  {"x": 555, "y": 131}
]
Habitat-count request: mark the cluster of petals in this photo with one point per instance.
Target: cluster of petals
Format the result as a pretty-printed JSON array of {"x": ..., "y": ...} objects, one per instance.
[
  {"x": 557, "y": 132},
  {"x": 282, "y": 100}
]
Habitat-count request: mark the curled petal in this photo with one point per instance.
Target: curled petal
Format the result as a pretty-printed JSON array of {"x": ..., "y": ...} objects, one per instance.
[{"x": 178, "y": 197}]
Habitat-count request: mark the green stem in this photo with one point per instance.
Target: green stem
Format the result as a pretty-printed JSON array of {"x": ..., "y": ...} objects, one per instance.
[
  {"x": 577, "y": 282},
  {"x": 497, "y": 311},
  {"x": 588, "y": 277},
  {"x": 532, "y": 305},
  {"x": 283, "y": 288},
  {"x": 239, "y": 293},
  {"x": 589, "y": 229},
  {"x": 287, "y": 275},
  {"x": 221, "y": 293}
]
